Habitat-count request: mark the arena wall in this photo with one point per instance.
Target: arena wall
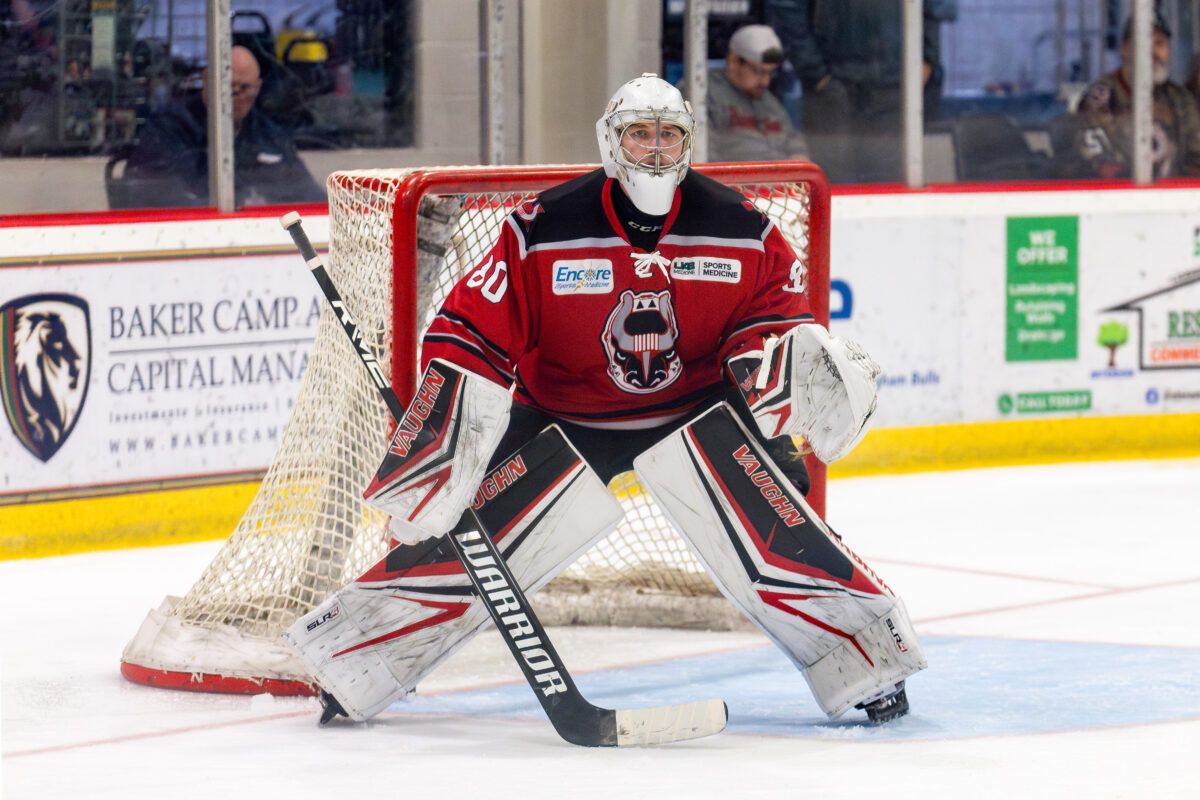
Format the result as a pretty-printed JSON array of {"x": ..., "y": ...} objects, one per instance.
[{"x": 1012, "y": 326}]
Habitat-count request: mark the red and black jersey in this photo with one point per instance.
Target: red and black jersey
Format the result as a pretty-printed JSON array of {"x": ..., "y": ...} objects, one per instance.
[{"x": 601, "y": 333}]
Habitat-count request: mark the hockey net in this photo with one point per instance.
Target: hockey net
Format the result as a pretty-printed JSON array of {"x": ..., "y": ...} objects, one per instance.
[{"x": 398, "y": 241}]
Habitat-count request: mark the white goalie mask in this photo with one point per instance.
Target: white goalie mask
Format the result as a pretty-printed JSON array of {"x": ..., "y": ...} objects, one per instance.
[{"x": 650, "y": 167}]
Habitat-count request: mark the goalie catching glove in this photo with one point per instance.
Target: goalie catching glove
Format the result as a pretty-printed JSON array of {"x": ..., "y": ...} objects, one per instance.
[
  {"x": 439, "y": 452},
  {"x": 812, "y": 384}
]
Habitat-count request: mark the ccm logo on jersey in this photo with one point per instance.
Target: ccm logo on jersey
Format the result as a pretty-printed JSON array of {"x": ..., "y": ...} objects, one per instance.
[
  {"x": 702, "y": 268},
  {"x": 584, "y": 276}
]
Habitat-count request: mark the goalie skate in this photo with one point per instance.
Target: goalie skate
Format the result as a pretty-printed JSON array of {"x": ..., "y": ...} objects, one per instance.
[
  {"x": 890, "y": 706},
  {"x": 330, "y": 709}
]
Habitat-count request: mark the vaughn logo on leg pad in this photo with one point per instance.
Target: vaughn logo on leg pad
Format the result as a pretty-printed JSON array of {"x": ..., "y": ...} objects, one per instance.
[
  {"x": 768, "y": 487},
  {"x": 500, "y": 479},
  {"x": 750, "y": 501}
]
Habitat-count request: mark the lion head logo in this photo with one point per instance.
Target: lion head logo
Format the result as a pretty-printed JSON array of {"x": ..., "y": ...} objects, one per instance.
[
  {"x": 639, "y": 338},
  {"x": 45, "y": 364}
]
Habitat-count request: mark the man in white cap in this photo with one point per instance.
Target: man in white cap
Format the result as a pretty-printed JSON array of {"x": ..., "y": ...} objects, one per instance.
[{"x": 745, "y": 121}]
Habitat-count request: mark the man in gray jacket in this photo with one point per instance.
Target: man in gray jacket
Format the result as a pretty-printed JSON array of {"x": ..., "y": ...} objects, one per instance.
[
  {"x": 745, "y": 121},
  {"x": 1097, "y": 140},
  {"x": 847, "y": 54}
]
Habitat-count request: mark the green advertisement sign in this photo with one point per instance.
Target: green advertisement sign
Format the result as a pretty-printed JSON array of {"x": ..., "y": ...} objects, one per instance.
[
  {"x": 1045, "y": 402},
  {"x": 1042, "y": 291}
]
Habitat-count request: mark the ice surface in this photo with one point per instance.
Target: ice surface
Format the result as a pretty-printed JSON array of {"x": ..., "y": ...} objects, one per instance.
[{"x": 1057, "y": 606}]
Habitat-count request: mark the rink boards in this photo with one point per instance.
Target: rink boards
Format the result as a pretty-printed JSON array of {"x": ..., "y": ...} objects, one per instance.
[{"x": 1013, "y": 327}]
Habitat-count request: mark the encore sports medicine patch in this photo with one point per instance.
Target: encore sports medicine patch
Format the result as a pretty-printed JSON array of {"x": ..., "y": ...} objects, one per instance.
[
  {"x": 583, "y": 276},
  {"x": 702, "y": 268}
]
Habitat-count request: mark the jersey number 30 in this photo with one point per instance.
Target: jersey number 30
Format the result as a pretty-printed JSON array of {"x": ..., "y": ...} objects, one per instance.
[{"x": 491, "y": 278}]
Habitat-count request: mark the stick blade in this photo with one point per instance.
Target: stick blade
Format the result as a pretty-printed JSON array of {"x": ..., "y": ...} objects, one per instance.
[{"x": 640, "y": 727}]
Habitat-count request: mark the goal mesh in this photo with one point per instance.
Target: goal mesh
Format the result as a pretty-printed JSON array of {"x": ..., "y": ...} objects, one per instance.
[{"x": 398, "y": 241}]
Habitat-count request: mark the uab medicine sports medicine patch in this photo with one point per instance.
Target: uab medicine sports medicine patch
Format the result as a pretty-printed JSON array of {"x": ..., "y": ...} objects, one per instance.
[{"x": 706, "y": 268}]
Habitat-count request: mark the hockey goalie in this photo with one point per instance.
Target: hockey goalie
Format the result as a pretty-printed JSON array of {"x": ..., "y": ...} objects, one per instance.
[{"x": 639, "y": 317}]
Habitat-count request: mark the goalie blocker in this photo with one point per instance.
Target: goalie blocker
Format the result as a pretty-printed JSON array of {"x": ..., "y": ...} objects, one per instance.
[
  {"x": 782, "y": 566},
  {"x": 439, "y": 451}
]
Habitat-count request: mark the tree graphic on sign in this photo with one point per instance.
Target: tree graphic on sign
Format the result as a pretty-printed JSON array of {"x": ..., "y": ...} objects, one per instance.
[{"x": 1112, "y": 335}]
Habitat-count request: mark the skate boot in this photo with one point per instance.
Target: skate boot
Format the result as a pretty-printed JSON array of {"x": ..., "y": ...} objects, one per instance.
[
  {"x": 330, "y": 708},
  {"x": 887, "y": 707}
]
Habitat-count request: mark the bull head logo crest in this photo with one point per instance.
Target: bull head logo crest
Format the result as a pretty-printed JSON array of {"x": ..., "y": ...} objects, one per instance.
[
  {"x": 639, "y": 339},
  {"x": 45, "y": 365}
]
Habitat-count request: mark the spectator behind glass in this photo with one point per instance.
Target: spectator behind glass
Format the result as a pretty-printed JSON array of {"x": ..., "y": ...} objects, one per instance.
[
  {"x": 847, "y": 54},
  {"x": 1097, "y": 140},
  {"x": 745, "y": 121},
  {"x": 169, "y": 164},
  {"x": 1193, "y": 80}
]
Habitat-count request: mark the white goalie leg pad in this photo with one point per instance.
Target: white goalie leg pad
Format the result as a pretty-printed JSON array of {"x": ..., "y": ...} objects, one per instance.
[
  {"x": 344, "y": 642},
  {"x": 774, "y": 559},
  {"x": 373, "y": 641},
  {"x": 837, "y": 678},
  {"x": 815, "y": 385},
  {"x": 440, "y": 450}
]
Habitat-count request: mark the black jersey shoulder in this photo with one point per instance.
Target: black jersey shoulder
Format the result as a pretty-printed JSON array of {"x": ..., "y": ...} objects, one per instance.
[
  {"x": 568, "y": 211},
  {"x": 710, "y": 208}
]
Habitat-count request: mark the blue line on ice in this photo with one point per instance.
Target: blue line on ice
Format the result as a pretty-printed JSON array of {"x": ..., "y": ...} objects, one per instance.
[{"x": 973, "y": 687}]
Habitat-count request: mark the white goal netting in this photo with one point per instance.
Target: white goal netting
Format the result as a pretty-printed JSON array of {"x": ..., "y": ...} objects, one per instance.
[{"x": 307, "y": 531}]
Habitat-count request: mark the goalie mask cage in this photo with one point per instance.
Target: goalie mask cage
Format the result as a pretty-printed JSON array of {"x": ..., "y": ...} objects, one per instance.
[{"x": 398, "y": 241}]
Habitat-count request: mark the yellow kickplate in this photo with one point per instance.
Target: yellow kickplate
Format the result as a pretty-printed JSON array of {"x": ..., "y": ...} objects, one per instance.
[
  {"x": 197, "y": 513},
  {"x": 142, "y": 519},
  {"x": 1017, "y": 442}
]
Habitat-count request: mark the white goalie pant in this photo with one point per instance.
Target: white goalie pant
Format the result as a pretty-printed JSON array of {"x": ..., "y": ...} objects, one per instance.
[
  {"x": 774, "y": 559},
  {"x": 373, "y": 641}
]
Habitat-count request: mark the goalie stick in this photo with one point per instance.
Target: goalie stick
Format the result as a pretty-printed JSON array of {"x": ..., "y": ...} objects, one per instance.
[{"x": 573, "y": 717}]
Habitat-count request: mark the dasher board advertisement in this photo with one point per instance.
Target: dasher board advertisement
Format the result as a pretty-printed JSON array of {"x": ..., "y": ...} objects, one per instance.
[{"x": 149, "y": 370}]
